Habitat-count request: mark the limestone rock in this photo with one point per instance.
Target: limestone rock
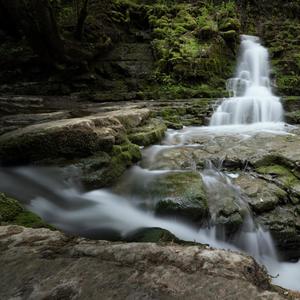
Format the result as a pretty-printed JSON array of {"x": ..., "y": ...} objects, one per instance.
[
  {"x": 262, "y": 195},
  {"x": 69, "y": 138},
  {"x": 39, "y": 264},
  {"x": 148, "y": 134},
  {"x": 180, "y": 194}
]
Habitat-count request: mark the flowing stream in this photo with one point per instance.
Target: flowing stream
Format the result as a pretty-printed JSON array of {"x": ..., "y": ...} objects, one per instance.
[{"x": 252, "y": 108}]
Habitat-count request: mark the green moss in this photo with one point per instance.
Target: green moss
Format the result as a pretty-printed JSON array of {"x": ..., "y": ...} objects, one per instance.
[
  {"x": 102, "y": 170},
  {"x": 189, "y": 47},
  {"x": 148, "y": 134},
  {"x": 286, "y": 177},
  {"x": 123, "y": 156},
  {"x": 274, "y": 170},
  {"x": 180, "y": 194},
  {"x": 11, "y": 212}
]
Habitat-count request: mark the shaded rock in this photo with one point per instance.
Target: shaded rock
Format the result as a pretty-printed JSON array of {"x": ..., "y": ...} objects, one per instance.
[
  {"x": 176, "y": 126},
  {"x": 21, "y": 104},
  {"x": 13, "y": 122},
  {"x": 63, "y": 138},
  {"x": 40, "y": 263},
  {"x": 293, "y": 117},
  {"x": 284, "y": 225},
  {"x": 103, "y": 169}
]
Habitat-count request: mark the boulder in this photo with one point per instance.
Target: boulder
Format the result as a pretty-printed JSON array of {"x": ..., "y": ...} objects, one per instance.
[
  {"x": 262, "y": 195},
  {"x": 180, "y": 194},
  {"x": 150, "y": 133},
  {"x": 43, "y": 264},
  {"x": 284, "y": 225}
]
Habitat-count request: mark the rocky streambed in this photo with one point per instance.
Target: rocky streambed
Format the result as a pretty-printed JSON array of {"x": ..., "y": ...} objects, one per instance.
[{"x": 97, "y": 143}]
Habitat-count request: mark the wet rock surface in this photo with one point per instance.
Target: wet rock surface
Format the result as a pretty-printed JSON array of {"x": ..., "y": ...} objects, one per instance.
[
  {"x": 91, "y": 143},
  {"x": 39, "y": 264},
  {"x": 98, "y": 141},
  {"x": 264, "y": 166},
  {"x": 94, "y": 144}
]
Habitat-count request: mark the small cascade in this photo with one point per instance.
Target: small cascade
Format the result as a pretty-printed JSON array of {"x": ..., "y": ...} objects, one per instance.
[
  {"x": 251, "y": 98},
  {"x": 221, "y": 191}
]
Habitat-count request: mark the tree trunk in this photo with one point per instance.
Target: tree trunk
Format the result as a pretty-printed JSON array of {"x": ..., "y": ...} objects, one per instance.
[
  {"x": 35, "y": 19},
  {"x": 81, "y": 19}
]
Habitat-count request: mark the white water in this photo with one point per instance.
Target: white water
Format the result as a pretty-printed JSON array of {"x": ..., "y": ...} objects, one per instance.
[
  {"x": 251, "y": 98},
  {"x": 100, "y": 214},
  {"x": 251, "y": 237}
]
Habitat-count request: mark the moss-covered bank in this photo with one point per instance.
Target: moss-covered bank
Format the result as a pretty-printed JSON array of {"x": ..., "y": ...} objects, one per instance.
[{"x": 12, "y": 212}]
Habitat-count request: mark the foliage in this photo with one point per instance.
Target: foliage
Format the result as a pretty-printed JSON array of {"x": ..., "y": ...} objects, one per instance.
[{"x": 189, "y": 41}]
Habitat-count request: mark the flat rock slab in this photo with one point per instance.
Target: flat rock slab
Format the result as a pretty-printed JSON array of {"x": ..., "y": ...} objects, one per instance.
[
  {"x": 44, "y": 264},
  {"x": 235, "y": 149},
  {"x": 69, "y": 138}
]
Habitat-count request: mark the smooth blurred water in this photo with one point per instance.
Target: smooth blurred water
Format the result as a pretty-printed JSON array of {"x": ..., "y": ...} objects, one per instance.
[
  {"x": 251, "y": 109},
  {"x": 251, "y": 98}
]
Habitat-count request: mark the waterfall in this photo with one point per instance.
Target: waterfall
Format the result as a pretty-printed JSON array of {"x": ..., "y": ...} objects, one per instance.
[
  {"x": 251, "y": 98},
  {"x": 251, "y": 238}
]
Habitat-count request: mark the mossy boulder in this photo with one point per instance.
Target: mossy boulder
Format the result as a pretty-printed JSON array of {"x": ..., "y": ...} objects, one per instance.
[
  {"x": 230, "y": 24},
  {"x": 12, "y": 212},
  {"x": 285, "y": 178},
  {"x": 150, "y": 133},
  {"x": 64, "y": 138},
  {"x": 230, "y": 36},
  {"x": 262, "y": 195},
  {"x": 180, "y": 194},
  {"x": 102, "y": 169},
  {"x": 172, "y": 125}
]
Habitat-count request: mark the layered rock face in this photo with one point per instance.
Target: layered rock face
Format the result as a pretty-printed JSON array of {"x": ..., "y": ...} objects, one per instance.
[
  {"x": 44, "y": 264},
  {"x": 129, "y": 51},
  {"x": 91, "y": 144}
]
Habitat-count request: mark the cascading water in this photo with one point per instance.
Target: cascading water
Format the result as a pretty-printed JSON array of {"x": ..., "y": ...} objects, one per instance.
[
  {"x": 251, "y": 237},
  {"x": 101, "y": 213},
  {"x": 251, "y": 98}
]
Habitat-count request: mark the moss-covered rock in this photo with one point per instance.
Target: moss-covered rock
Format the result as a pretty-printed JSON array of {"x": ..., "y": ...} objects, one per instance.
[
  {"x": 262, "y": 195},
  {"x": 148, "y": 134},
  {"x": 11, "y": 212},
  {"x": 285, "y": 178},
  {"x": 102, "y": 169},
  {"x": 64, "y": 138},
  {"x": 181, "y": 194}
]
